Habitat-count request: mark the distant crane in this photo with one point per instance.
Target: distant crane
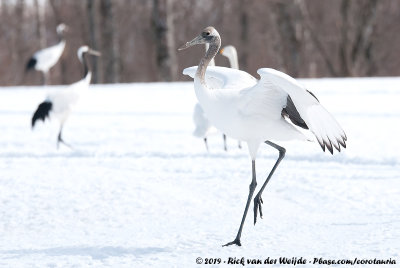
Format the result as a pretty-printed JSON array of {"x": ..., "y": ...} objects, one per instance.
[
  {"x": 202, "y": 124},
  {"x": 46, "y": 58},
  {"x": 259, "y": 111},
  {"x": 231, "y": 53},
  {"x": 59, "y": 104}
]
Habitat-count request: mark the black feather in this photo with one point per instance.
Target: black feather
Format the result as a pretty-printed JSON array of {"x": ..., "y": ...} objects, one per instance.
[
  {"x": 342, "y": 142},
  {"x": 329, "y": 146},
  {"x": 42, "y": 112},
  {"x": 312, "y": 94},
  {"x": 291, "y": 112},
  {"x": 31, "y": 64}
]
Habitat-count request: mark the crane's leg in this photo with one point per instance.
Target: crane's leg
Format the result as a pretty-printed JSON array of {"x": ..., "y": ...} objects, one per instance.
[
  {"x": 257, "y": 199},
  {"x": 224, "y": 138},
  {"x": 45, "y": 78},
  {"x": 205, "y": 142},
  {"x": 60, "y": 139},
  {"x": 252, "y": 187}
]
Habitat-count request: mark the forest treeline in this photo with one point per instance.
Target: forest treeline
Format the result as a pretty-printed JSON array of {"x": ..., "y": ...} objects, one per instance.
[{"x": 138, "y": 39}]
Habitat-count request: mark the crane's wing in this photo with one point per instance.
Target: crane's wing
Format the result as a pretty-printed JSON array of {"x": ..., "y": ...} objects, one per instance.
[
  {"x": 49, "y": 56},
  {"x": 303, "y": 108},
  {"x": 224, "y": 78},
  {"x": 201, "y": 122}
]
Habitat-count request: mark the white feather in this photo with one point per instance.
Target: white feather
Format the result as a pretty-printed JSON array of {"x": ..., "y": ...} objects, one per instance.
[
  {"x": 48, "y": 57},
  {"x": 251, "y": 111}
]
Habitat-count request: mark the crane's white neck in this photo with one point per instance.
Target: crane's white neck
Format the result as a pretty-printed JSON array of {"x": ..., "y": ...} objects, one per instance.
[
  {"x": 61, "y": 36},
  {"x": 210, "y": 54},
  {"x": 212, "y": 61},
  {"x": 203, "y": 92},
  {"x": 87, "y": 74},
  {"x": 233, "y": 61},
  {"x": 88, "y": 77}
]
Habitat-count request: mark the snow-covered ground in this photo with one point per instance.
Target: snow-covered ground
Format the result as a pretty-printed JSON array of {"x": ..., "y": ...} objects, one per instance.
[{"x": 138, "y": 190}]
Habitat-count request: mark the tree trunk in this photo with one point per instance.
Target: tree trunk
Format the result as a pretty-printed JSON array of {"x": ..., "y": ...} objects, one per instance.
[
  {"x": 360, "y": 55},
  {"x": 244, "y": 34},
  {"x": 93, "y": 43},
  {"x": 40, "y": 23},
  {"x": 110, "y": 55},
  {"x": 290, "y": 45},
  {"x": 343, "y": 53},
  {"x": 163, "y": 36},
  {"x": 314, "y": 37},
  {"x": 18, "y": 44},
  {"x": 63, "y": 63},
  {"x": 171, "y": 40}
]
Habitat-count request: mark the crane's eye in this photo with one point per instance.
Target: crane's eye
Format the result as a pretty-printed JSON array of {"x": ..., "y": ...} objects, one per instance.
[{"x": 208, "y": 33}]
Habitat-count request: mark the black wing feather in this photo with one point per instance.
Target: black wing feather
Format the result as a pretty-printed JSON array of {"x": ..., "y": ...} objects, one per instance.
[
  {"x": 291, "y": 112},
  {"x": 31, "y": 64},
  {"x": 42, "y": 112}
]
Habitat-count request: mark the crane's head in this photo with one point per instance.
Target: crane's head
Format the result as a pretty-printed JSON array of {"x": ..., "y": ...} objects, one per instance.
[
  {"x": 208, "y": 35},
  {"x": 85, "y": 49},
  {"x": 62, "y": 28},
  {"x": 228, "y": 51}
]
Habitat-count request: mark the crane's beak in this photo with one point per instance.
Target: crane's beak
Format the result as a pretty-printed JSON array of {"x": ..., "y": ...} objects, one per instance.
[
  {"x": 196, "y": 41},
  {"x": 221, "y": 51},
  {"x": 94, "y": 53}
]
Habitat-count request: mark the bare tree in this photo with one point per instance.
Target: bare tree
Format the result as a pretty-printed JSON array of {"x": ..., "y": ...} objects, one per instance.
[
  {"x": 18, "y": 44},
  {"x": 361, "y": 51},
  {"x": 303, "y": 37},
  {"x": 170, "y": 15},
  {"x": 92, "y": 20},
  {"x": 40, "y": 23},
  {"x": 110, "y": 57},
  {"x": 355, "y": 40},
  {"x": 314, "y": 36},
  {"x": 244, "y": 33},
  {"x": 56, "y": 8},
  {"x": 290, "y": 44},
  {"x": 163, "y": 30}
]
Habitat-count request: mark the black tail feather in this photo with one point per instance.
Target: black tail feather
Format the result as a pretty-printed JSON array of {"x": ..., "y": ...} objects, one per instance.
[
  {"x": 31, "y": 64},
  {"x": 42, "y": 112}
]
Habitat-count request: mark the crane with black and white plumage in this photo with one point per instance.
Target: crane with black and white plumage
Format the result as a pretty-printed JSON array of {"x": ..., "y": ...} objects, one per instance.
[
  {"x": 258, "y": 111},
  {"x": 44, "y": 59},
  {"x": 60, "y": 103}
]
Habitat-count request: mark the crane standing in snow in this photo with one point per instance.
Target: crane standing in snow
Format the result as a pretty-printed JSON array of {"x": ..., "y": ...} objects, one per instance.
[
  {"x": 231, "y": 53},
  {"x": 46, "y": 58},
  {"x": 259, "y": 111},
  {"x": 60, "y": 103},
  {"x": 202, "y": 124}
]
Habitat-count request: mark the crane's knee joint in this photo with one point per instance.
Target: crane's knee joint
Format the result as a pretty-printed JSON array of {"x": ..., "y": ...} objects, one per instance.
[
  {"x": 252, "y": 186},
  {"x": 282, "y": 152}
]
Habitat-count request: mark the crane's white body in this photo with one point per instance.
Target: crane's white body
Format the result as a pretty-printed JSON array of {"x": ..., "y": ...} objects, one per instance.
[
  {"x": 251, "y": 110},
  {"x": 66, "y": 99},
  {"x": 48, "y": 57},
  {"x": 203, "y": 126},
  {"x": 231, "y": 53},
  {"x": 254, "y": 111},
  {"x": 59, "y": 104}
]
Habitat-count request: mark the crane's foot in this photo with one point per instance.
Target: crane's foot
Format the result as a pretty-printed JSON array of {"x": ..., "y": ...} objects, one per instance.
[
  {"x": 257, "y": 207},
  {"x": 234, "y": 242},
  {"x": 63, "y": 142}
]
